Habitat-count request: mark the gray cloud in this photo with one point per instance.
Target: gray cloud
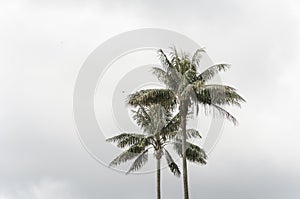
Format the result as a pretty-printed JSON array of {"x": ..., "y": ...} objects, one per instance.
[{"x": 45, "y": 43}]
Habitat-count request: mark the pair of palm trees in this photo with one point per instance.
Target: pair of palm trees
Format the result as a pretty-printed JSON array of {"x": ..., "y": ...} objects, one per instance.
[{"x": 187, "y": 90}]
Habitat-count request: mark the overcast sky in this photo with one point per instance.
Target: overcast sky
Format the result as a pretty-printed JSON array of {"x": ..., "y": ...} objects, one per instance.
[{"x": 44, "y": 44}]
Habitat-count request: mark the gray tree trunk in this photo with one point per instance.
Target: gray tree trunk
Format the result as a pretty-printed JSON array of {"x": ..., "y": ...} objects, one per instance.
[
  {"x": 183, "y": 110},
  {"x": 158, "y": 178}
]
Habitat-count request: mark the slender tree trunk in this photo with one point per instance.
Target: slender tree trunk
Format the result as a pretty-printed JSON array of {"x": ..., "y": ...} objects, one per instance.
[
  {"x": 158, "y": 178},
  {"x": 183, "y": 110}
]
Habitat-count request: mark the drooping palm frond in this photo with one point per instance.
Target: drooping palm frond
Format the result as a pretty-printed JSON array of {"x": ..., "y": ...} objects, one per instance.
[
  {"x": 140, "y": 161},
  {"x": 193, "y": 152},
  {"x": 217, "y": 94},
  {"x": 172, "y": 165},
  {"x": 219, "y": 111},
  {"x": 127, "y": 155},
  {"x": 197, "y": 56},
  {"x": 212, "y": 71},
  {"x": 164, "y": 97},
  {"x": 196, "y": 154}
]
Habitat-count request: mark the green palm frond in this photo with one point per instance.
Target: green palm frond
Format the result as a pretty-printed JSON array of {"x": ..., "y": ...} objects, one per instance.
[
  {"x": 161, "y": 75},
  {"x": 126, "y": 139},
  {"x": 175, "y": 59},
  {"x": 190, "y": 133},
  {"x": 127, "y": 155},
  {"x": 196, "y": 154},
  {"x": 140, "y": 161},
  {"x": 134, "y": 140},
  {"x": 212, "y": 71},
  {"x": 164, "y": 97},
  {"x": 197, "y": 56},
  {"x": 170, "y": 77},
  {"x": 170, "y": 130},
  {"x": 219, "y": 111},
  {"x": 164, "y": 59},
  {"x": 141, "y": 116},
  {"x": 172, "y": 165},
  {"x": 193, "y": 152},
  {"x": 191, "y": 75},
  {"x": 193, "y": 133},
  {"x": 217, "y": 94}
]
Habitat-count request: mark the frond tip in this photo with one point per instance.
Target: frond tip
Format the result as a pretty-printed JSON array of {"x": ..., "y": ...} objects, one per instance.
[{"x": 172, "y": 165}]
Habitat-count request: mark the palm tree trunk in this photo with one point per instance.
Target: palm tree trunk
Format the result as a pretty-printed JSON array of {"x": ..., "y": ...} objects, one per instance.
[
  {"x": 158, "y": 178},
  {"x": 183, "y": 109}
]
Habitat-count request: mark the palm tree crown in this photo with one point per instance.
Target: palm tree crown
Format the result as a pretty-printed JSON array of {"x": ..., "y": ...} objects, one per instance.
[
  {"x": 184, "y": 83},
  {"x": 158, "y": 126}
]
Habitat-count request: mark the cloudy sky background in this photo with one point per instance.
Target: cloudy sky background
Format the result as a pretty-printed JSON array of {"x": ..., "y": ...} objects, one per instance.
[{"x": 43, "y": 45}]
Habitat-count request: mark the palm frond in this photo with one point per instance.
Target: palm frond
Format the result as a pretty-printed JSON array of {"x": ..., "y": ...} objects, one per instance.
[
  {"x": 193, "y": 152},
  {"x": 212, "y": 71},
  {"x": 170, "y": 130},
  {"x": 127, "y": 155},
  {"x": 126, "y": 139},
  {"x": 170, "y": 77},
  {"x": 196, "y": 154},
  {"x": 219, "y": 111},
  {"x": 172, "y": 165},
  {"x": 191, "y": 75},
  {"x": 164, "y": 97},
  {"x": 161, "y": 75},
  {"x": 159, "y": 118},
  {"x": 175, "y": 59},
  {"x": 190, "y": 133},
  {"x": 217, "y": 94},
  {"x": 193, "y": 133},
  {"x": 164, "y": 59},
  {"x": 141, "y": 116},
  {"x": 197, "y": 56},
  {"x": 140, "y": 161}
]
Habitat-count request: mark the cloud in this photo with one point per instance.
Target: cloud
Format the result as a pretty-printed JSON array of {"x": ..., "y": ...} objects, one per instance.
[
  {"x": 44, "y": 44},
  {"x": 45, "y": 189}
]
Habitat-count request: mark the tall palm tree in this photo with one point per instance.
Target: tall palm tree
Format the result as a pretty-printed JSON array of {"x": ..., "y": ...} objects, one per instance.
[
  {"x": 188, "y": 89},
  {"x": 157, "y": 125}
]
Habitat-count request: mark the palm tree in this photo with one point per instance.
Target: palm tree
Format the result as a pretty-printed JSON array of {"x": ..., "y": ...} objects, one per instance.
[
  {"x": 188, "y": 88},
  {"x": 158, "y": 127}
]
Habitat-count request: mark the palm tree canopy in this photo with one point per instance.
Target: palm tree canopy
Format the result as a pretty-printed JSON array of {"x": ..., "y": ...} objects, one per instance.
[
  {"x": 184, "y": 83},
  {"x": 156, "y": 124}
]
